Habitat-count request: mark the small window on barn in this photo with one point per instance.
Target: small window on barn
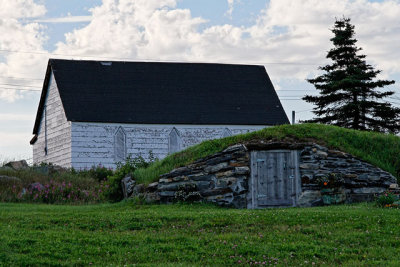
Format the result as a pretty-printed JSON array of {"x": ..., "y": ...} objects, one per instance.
[
  {"x": 226, "y": 133},
  {"x": 120, "y": 145},
  {"x": 174, "y": 141}
]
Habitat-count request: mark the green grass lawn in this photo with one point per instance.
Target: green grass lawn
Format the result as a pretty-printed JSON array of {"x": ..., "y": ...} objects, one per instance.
[{"x": 124, "y": 234}]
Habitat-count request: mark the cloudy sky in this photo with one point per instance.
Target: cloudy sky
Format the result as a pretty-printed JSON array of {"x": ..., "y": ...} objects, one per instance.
[{"x": 289, "y": 37}]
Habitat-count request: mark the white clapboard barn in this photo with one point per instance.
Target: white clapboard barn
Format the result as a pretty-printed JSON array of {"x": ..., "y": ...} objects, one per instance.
[{"x": 94, "y": 112}]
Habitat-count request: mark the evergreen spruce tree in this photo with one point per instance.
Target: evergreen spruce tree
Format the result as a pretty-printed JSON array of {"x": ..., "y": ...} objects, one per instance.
[{"x": 348, "y": 95}]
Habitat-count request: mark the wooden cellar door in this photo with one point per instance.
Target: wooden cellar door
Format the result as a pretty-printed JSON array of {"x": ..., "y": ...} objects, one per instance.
[{"x": 275, "y": 178}]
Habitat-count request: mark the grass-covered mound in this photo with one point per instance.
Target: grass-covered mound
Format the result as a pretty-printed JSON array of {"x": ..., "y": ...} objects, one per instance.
[
  {"x": 382, "y": 150},
  {"x": 197, "y": 235}
]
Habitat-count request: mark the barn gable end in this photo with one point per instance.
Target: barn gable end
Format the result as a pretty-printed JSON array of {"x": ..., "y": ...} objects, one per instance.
[{"x": 53, "y": 139}]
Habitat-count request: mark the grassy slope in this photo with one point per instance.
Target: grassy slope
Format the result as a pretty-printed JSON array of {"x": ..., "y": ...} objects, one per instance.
[
  {"x": 123, "y": 234},
  {"x": 379, "y": 149}
]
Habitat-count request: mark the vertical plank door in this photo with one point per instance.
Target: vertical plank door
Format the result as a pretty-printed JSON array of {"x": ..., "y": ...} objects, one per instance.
[{"x": 274, "y": 178}]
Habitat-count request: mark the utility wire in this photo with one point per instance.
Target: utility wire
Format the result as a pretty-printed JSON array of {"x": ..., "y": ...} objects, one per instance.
[
  {"x": 20, "y": 78},
  {"x": 136, "y": 59},
  {"x": 19, "y": 89},
  {"x": 9, "y": 84}
]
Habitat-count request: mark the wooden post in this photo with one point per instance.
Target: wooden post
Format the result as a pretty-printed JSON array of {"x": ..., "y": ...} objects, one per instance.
[{"x": 293, "y": 117}]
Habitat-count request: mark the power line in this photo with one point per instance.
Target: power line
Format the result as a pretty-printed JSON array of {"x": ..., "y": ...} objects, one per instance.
[
  {"x": 20, "y": 78},
  {"x": 136, "y": 59},
  {"x": 19, "y": 89},
  {"x": 21, "y": 85}
]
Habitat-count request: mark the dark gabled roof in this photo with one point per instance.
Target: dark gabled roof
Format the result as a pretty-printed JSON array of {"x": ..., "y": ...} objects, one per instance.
[{"x": 164, "y": 93}]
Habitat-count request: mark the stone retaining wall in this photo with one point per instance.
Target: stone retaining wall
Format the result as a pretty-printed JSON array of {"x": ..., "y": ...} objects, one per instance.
[
  {"x": 327, "y": 177},
  {"x": 221, "y": 178},
  {"x": 355, "y": 180}
]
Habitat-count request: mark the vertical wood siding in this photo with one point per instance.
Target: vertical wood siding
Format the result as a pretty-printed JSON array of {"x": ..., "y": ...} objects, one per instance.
[
  {"x": 93, "y": 143},
  {"x": 58, "y": 131}
]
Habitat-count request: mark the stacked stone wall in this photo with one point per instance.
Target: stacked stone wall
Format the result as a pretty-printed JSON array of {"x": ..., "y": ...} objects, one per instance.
[
  {"x": 354, "y": 180},
  {"x": 327, "y": 177},
  {"x": 221, "y": 178}
]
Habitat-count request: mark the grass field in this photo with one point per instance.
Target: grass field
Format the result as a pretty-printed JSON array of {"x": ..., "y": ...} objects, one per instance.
[
  {"x": 162, "y": 235},
  {"x": 379, "y": 149}
]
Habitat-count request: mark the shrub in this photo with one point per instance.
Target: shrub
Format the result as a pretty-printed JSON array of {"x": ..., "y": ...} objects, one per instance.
[
  {"x": 53, "y": 185},
  {"x": 56, "y": 193},
  {"x": 99, "y": 172},
  {"x": 114, "y": 190},
  {"x": 386, "y": 199}
]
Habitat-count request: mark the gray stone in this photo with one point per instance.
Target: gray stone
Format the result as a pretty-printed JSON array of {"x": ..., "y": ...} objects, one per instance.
[
  {"x": 224, "y": 174},
  {"x": 223, "y": 199},
  {"x": 138, "y": 189},
  {"x": 322, "y": 148},
  {"x": 308, "y": 198},
  {"x": 152, "y": 197},
  {"x": 152, "y": 187},
  {"x": 173, "y": 186},
  {"x": 242, "y": 170},
  {"x": 216, "y": 168},
  {"x": 309, "y": 166},
  {"x": 179, "y": 178},
  {"x": 238, "y": 147},
  {"x": 393, "y": 186},
  {"x": 225, "y": 182},
  {"x": 240, "y": 186},
  {"x": 321, "y": 154},
  {"x": 167, "y": 193},
  {"x": 17, "y": 165},
  {"x": 220, "y": 159},
  {"x": 204, "y": 185},
  {"x": 356, "y": 198},
  {"x": 337, "y": 154},
  {"x": 214, "y": 192},
  {"x": 127, "y": 184},
  {"x": 240, "y": 201},
  {"x": 368, "y": 177},
  {"x": 369, "y": 190},
  {"x": 202, "y": 178}
]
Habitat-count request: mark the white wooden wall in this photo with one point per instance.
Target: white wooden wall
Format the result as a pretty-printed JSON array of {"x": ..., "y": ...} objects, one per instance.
[
  {"x": 58, "y": 132},
  {"x": 93, "y": 143}
]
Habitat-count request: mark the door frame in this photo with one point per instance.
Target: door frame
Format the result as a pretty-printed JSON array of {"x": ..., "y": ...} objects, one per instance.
[{"x": 252, "y": 202}]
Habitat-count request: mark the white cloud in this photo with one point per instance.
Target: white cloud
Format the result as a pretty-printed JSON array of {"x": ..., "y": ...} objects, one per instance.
[
  {"x": 68, "y": 19},
  {"x": 20, "y": 9},
  {"x": 230, "y": 8},
  {"x": 17, "y": 35}
]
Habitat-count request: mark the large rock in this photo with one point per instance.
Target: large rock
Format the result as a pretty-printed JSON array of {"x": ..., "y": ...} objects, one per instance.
[
  {"x": 152, "y": 187},
  {"x": 369, "y": 190},
  {"x": 17, "y": 165},
  {"x": 309, "y": 198},
  {"x": 127, "y": 184},
  {"x": 152, "y": 197}
]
